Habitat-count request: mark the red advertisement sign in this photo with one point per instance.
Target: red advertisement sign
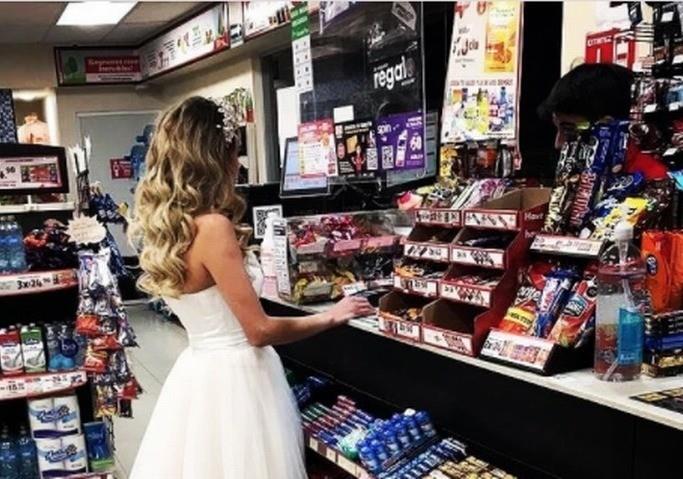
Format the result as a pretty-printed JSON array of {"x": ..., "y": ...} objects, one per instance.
[
  {"x": 112, "y": 69},
  {"x": 121, "y": 169},
  {"x": 611, "y": 46}
]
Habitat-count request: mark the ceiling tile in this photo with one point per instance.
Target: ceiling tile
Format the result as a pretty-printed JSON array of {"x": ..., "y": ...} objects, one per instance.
[
  {"x": 21, "y": 34},
  {"x": 69, "y": 35},
  {"x": 133, "y": 33},
  {"x": 30, "y": 13},
  {"x": 145, "y": 12}
]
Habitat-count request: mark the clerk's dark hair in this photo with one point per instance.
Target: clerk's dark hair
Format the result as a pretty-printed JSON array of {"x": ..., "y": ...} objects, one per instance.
[{"x": 591, "y": 90}]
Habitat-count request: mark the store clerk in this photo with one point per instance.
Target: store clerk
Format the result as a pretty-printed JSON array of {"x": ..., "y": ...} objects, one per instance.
[{"x": 593, "y": 92}]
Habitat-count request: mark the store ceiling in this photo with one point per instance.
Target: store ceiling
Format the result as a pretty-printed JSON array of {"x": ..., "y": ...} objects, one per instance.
[{"x": 34, "y": 22}]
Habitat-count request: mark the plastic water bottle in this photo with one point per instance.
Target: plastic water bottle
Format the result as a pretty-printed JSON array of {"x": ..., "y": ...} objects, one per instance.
[
  {"x": 28, "y": 461},
  {"x": 4, "y": 251},
  {"x": 17, "y": 253},
  {"x": 619, "y": 310},
  {"x": 9, "y": 461}
]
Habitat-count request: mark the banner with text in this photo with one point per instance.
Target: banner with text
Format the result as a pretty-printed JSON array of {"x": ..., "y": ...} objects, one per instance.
[{"x": 481, "y": 96}]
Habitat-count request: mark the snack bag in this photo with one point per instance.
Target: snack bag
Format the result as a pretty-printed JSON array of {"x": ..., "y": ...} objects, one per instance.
[
  {"x": 676, "y": 268},
  {"x": 521, "y": 315},
  {"x": 555, "y": 293},
  {"x": 579, "y": 310},
  {"x": 656, "y": 248}
]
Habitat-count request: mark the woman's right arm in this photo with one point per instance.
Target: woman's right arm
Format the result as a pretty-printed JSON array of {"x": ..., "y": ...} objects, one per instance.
[{"x": 217, "y": 248}]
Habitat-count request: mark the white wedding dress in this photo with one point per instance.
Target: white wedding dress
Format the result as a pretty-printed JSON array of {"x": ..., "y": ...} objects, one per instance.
[{"x": 226, "y": 410}]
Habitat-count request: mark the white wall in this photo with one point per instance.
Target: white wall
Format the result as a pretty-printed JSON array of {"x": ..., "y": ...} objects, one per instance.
[{"x": 583, "y": 17}]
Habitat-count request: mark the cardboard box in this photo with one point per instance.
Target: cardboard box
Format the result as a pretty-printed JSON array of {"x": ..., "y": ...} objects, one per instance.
[
  {"x": 393, "y": 325},
  {"x": 418, "y": 246},
  {"x": 496, "y": 258},
  {"x": 460, "y": 328},
  {"x": 479, "y": 295},
  {"x": 518, "y": 210}
]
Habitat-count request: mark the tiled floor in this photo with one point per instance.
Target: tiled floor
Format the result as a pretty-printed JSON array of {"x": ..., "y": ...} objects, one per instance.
[{"x": 160, "y": 344}]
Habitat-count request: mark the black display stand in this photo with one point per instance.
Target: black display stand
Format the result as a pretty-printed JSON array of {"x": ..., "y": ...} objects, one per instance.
[{"x": 529, "y": 430}]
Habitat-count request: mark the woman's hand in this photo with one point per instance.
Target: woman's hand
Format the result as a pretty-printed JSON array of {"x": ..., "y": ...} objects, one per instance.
[{"x": 349, "y": 308}]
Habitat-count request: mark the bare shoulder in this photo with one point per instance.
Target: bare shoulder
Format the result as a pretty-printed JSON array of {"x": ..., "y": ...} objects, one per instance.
[{"x": 213, "y": 228}]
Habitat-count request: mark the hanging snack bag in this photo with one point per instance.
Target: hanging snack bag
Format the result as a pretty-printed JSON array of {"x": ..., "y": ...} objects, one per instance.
[
  {"x": 656, "y": 252},
  {"x": 521, "y": 315},
  {"x": 577, "y": 312}
]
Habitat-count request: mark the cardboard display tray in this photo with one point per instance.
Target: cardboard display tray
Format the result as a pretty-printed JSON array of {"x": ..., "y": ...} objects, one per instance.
[
  {"x": 479, "y": 295},
  {"x": 392, "y": 325},
  {"x": 496, "y": 258},
  {"x": 418, "y": 245},
  {"x": 522, "y": 209}
]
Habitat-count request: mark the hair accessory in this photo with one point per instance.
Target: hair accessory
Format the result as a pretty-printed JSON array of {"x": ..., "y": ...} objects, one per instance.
[{"x": 230, "y": 125}]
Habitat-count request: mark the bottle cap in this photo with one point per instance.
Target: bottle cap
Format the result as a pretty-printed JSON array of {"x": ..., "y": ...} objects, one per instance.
[{"x": 623, "y": 230}]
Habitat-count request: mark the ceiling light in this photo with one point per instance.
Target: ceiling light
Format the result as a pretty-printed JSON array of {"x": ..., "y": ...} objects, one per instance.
[{"x": 94, "y": 13}]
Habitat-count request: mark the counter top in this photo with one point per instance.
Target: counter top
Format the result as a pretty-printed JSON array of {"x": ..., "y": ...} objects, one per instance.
[{"x": 581, "y": 384}]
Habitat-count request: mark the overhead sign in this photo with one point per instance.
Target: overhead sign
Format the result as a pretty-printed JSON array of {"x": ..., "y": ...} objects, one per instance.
[{"x": 81, "y": 66}]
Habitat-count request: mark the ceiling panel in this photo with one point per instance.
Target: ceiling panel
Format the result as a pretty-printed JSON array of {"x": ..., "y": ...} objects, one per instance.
[
  {"x": 148, "y": 12},
  {"x": 34, "y": 22},
  {"x": 133, "y": 33},
  {"x": 69, "y": 35},
  {"x": 30, "y": 13},
  {"x": 21, "y": 34}
]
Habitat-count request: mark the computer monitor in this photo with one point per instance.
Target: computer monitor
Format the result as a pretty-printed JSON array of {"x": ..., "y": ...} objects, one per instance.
[{"x": 292, "y": 184}]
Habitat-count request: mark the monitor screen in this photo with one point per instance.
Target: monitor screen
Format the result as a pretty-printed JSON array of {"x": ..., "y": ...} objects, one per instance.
[{"x": 292, "y": 183}]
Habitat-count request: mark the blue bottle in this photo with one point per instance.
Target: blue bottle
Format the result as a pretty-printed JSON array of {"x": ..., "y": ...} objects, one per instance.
[
  {"x": 401, "y": 433},
  {"x": 28, "y": 460},
  {"x": 15, "y": 246},
  {"x": 4, "y": 251},
  {"x": 425, "y": 424},
  {"x": 9, "y": 461},
  {"x": 390, "y": 441},
  {"x": 413, "y": 428}
]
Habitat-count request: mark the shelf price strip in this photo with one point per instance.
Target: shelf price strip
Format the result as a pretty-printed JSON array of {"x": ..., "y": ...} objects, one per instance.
[
  {"x": 38, "y": 384},
  {"x": 25, "y": 283}
]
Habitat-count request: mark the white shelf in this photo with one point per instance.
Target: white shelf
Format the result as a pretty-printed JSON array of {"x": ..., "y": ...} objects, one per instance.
[
  {"x": 30, "y": 385},
  {"x": 580, "y": 384},
  {"x": 36, "y": 207},
  {"x": 37, "y": 282}
]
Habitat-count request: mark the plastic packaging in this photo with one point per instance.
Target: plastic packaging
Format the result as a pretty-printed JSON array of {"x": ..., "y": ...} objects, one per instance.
[{"x": 619, "y": 315}]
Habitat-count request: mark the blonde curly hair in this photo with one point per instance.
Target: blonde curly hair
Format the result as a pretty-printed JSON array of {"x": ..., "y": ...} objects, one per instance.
[{"x": 191, "y": 170}]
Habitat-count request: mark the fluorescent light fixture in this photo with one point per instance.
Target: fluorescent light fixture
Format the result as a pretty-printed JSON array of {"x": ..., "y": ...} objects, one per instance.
[{"x": 94, "y": 13}]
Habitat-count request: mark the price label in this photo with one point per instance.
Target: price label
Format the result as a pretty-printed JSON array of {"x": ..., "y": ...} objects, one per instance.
[
  {"x": 492, "y": 219},
  {"x": 466, "y": 294},
  {"x": 567, "y": 245},
  {"x": 313, "y": 443},
  {"x": 438, "y": 216},
  {"x": 459, "y": 343},
  {"x": 408, "y": 330},
  {"x": 425, "y": 287},
  {"x": 526, "y": 351},
  {"x": 331, "y": 454},
  {"x": 480, "y": 257},
  {"x": 349, "y": 466}
]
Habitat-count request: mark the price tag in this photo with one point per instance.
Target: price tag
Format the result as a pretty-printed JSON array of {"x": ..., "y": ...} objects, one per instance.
[
  {"x": 331, "y": 454},
  {"x": 466, "y": 294},
  {"x": 349, "y": 466},
  {"x": 566, "y": 245},
  {"x": 506, "y": 220},
  {"x": 408, "y": 330},
  {"x": 453, "y": 341},
  {"x": 313, "y": 443},
  {"x": 480, "y": 257},
  {"x": 427, "y": 288},
  {"x": 525, "y": 351},
  {"x": 354, "y": 288}
]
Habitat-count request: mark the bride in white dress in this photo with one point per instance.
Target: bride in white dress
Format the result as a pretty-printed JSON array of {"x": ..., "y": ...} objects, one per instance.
[{"x": 225, "y": 411}]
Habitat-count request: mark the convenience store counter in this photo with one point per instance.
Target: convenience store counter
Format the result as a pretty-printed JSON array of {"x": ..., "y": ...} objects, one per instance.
[{"x": 567, "y": 425}]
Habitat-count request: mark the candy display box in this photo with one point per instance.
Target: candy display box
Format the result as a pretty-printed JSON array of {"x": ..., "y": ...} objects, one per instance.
[
  {"x": 505, "y": 257},
  {"x": 427, "y": 286},
  {"x": 538, "y": 355},
  {"x": 430, "y": 243},
  {"x": 460, "y": 328},
  {"x": 518, "y": 210},
  {"x": 496, "y": 286},
  {"x": 316, "y": 256},
  {"x": 393, "y": 308}
]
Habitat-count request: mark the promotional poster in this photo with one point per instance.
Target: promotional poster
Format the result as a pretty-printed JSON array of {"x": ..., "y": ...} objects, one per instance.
[
  {"x": 400, "y": 141},
  {"x": 356, "y": 149},
  {"x": 480, "y": 100}
]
